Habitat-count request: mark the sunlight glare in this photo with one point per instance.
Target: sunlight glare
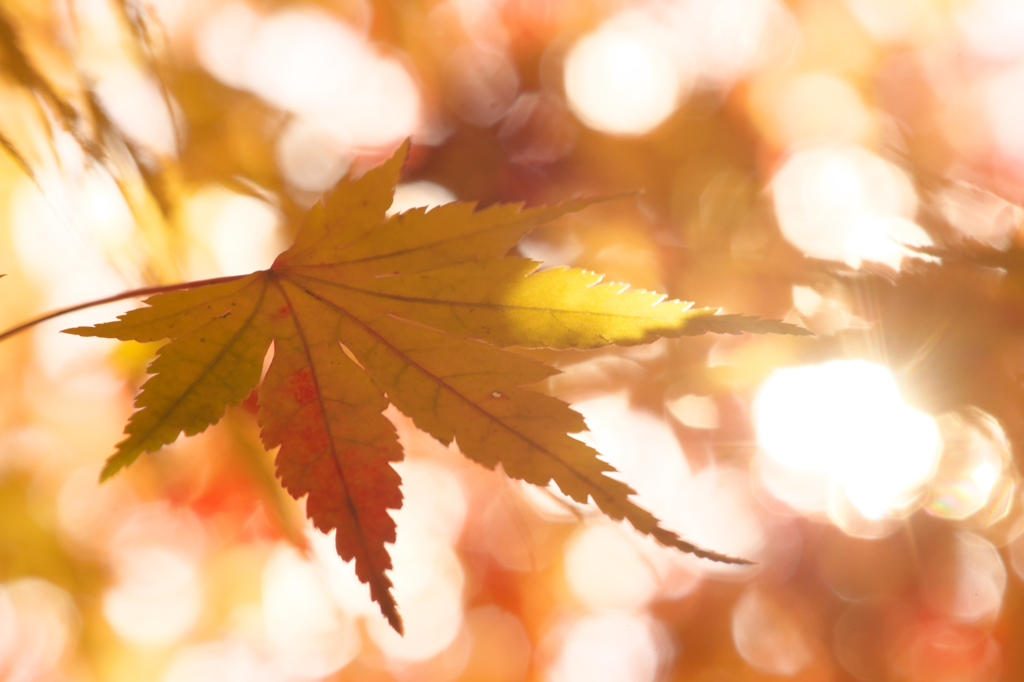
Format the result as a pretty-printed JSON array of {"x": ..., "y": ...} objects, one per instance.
[
  {"x": 845, "y": 418},
  {"x": 621, "y": 79}
]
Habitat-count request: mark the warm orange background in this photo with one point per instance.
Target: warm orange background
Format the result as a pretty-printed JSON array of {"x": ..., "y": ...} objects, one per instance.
[{"x": 791, "y": 158}]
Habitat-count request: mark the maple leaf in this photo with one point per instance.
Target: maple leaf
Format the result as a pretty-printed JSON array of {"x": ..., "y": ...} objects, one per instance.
[{"x": 412, "y": 310}]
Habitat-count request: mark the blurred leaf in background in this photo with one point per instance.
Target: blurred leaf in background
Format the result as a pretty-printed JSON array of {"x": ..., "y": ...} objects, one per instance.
[{"x": 849, "y": 165}]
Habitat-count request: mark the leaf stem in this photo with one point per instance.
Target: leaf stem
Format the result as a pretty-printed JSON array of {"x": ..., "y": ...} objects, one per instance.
[{"x": 131, "y": 293}]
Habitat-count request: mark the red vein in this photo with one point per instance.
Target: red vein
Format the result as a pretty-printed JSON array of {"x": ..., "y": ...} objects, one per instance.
[{"x": 336, "y": 457}]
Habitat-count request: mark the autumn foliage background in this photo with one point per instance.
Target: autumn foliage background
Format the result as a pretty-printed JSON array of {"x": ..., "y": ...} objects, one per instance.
[{"x": 788, "y": 156}]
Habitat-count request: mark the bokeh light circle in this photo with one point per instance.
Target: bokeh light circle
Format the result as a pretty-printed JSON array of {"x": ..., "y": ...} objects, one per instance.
[
  {"x": 620, "y": 79},
  {"x": 844, "y": 203}
]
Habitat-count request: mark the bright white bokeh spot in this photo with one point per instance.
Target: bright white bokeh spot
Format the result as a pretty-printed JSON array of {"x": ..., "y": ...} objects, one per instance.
[
  {"x": 420, "y": 193},
  {"x": 501, "y": 649},
  {"x": 221, "y": 41},
  {"x": 844, "y": 203},
  {"x": 65, "y": 239},
  {"x": 622, "y": 79},
  {"x": 611, "y": 648},
  {"x": 767, "y": 637},
  {"x": 846, "y": 419},
  {"x": 39, "y": 624},
  {"x": 231, "y": 234},
  {"x": 606, "y": 569},
  {"x": 806, "y": 491},
  {"x": 890, "y": 21},
  {"x": 87, "y": 514},
  {"x": 310, "y": 157},
  {"x": 985, "y": 476},
  {"x": 641, "y": 446},
  {"x": 807, "y": 300},
  {"x": 136, "y": 103},
  {"x": 222, "y": 662},
  {"x": 695, "y": 411},
  {"x": 722, "y": 41},
  {"x": 309, "y": 634},
  {"x": 310, "y": 64},
  {"x": 713, "y": 509},
  {"x": 884, "y": 240},
  {"x": 992, "y": 28},
  {"x": 382, "y": 108},
  {"x": 298, "y": 59},
  {"x": 427, "y": 574},
  {"x": 970, "y": 587},
  {"x": 157, "y": 597},
  {"x": 1003, "y": 102},
  {"x": 430, "y": 599},
  {"x": 717, "y": 511},
  {"x": 313, "y": 65},
  {"x": 76, "y": 242},
  {"x": 980, "y": 215},
  {"x": 817, "y": 106},
  {"x": 975, "y": 453},
  {"x": 479, "y": 85}
]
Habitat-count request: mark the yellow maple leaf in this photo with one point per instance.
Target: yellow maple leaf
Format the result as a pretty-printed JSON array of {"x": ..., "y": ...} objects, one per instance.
[{"x": 412, "y": 310}]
